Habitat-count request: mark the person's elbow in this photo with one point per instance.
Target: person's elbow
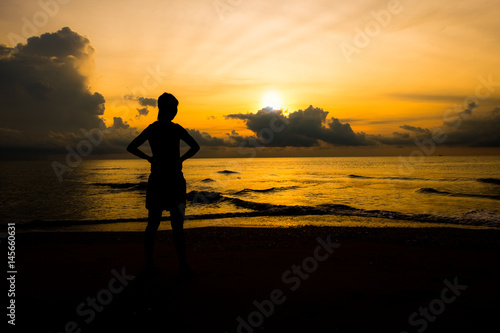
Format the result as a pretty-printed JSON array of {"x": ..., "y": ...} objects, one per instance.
[
  {"x": 195, "y": 147},
  {"x": 130, "y": 148}
]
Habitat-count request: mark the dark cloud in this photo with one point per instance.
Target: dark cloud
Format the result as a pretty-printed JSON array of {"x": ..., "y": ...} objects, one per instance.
[
  {"x": 142, "y": 112},
  {"x": 465, "y": 128},
  {"x": 46, "y": 106},
  {"x": 205, "y": 139},
  {"x": 302, "y": 128},
  {"x": 415, "y": 129},
  {"x": 118, "y": 123},
  {"x": 42, "y": 88},
  {"x": 117, "y": 137},
  {"x": 397, "y": 139},
  {"x": 401, "y": 135},
  {"x": 46, "y": 101},
  {"x": 476, "y": 130},
  {"x": 468, "y": 110},
  {"x": 143, "y": 101}
]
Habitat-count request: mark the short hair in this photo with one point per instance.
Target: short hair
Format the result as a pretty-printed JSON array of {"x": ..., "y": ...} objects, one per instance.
[{"x": 167, "y": 106}]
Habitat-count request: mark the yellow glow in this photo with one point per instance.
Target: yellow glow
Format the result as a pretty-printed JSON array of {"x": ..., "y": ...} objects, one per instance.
[
  {"x": 273, "y": 100},
  {"x": 216, "y": 66}
]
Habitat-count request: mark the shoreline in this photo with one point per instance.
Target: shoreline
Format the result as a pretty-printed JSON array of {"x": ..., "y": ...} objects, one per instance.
[{"x": 261, "y": 221}]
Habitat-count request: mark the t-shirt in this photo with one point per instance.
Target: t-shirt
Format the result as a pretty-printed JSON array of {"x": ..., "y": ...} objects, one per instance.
[{"x": 164, "y": 138}]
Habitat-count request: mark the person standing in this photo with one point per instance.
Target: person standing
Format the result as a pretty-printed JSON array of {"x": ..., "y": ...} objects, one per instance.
[{"x": 166, "y": 189}]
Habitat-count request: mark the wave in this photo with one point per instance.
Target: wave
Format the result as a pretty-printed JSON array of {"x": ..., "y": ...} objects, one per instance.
[
  {"x": 394, "y": 178},
  {"x": 358, "y": 176},
  {"x": 267, "y": 190},
  {"x": 208, "y": 180},
  {"x": 432, "y": 191},
  {"x": 227, "y": 172},
  {"x": 485, "y": 218},
  {"x": 475, "y": 217},
  {"x": 126, "y": 186},
  {"x": 495, "y": 181},
  {"x": 204, "y": 196},
  {"x": 429, "y": 190}
]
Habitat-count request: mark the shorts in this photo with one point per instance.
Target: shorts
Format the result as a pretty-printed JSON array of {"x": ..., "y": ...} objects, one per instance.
[{"x": 166, "y": 192}]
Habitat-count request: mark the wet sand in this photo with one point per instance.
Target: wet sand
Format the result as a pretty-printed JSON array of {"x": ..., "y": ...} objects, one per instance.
[{"x": 306, "y": 279}]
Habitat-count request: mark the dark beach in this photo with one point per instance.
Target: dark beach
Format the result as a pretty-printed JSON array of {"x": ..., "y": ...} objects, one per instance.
[{"x": 373, "y": 282}]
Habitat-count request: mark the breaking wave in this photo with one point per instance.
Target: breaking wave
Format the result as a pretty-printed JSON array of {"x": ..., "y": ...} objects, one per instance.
[
  {"x": 495, "y": 181},
  {"x": 267, "y": 190},
  {"x": 429, "y": 190},
  {"x": 124, "y": 186}
]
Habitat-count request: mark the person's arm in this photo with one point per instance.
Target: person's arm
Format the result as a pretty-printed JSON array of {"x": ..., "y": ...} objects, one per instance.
[
  {"x": 194, "y": 147},
  {"x": 133, "y": 147}
]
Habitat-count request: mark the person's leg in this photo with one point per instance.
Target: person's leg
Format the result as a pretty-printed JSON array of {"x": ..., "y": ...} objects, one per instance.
[
  {"x": 177, "y": 220},
  {"x": 154, "y": 218}
]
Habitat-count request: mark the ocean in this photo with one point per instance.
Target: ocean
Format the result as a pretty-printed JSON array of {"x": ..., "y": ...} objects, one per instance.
[{"x": 457, "y": 190}]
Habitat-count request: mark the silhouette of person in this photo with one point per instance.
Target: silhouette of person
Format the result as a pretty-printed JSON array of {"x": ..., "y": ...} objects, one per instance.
[{"x": 166, "y": 188}]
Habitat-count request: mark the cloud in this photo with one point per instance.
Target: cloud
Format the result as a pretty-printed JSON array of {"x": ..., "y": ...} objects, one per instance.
[
  {"x": 205, "y": 139},
  {"x": 116, "y": 137},
  {"x": 302, "y": 128},
  {"x": 397, "y": 139},
  {"x": 42, "y": 87},
  {"x": 465, "y": 128},
  {"x": 415, "y": 129},
  {"x": 142, "y": 112},
  {"x": 45, "y": 94},
  {"x": 118, "y": 123},
  {"x": 475, "y": 130},
  {"x": 143, "y": 101},
  {"x": 47, "y": 102}
]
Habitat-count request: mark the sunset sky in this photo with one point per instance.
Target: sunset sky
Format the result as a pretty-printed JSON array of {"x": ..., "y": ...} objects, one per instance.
[{"x": 378, "y": 74}]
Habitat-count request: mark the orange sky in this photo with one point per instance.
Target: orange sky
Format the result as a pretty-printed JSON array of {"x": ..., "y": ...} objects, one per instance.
[{"x": 221, "y": 57}]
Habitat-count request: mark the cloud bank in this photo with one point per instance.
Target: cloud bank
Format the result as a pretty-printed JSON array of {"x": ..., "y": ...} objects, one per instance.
[
  {"x": 302, "y": 128},
  {"x": 46, "y": 100},
  {"x": 47, "y": 105}
]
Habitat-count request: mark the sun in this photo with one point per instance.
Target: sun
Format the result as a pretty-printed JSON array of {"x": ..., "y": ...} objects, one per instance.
[{"x": 272, "y": 99}]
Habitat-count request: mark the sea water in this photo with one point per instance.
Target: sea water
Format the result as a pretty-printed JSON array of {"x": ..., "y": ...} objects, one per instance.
[{"x": 452, "y": 189}]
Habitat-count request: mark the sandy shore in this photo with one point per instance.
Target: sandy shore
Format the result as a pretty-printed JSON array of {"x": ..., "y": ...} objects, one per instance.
[{"x": 308, "y": 279}]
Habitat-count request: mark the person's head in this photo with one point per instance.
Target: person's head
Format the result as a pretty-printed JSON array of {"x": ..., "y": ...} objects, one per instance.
[{"x": 167, "y": 107}]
